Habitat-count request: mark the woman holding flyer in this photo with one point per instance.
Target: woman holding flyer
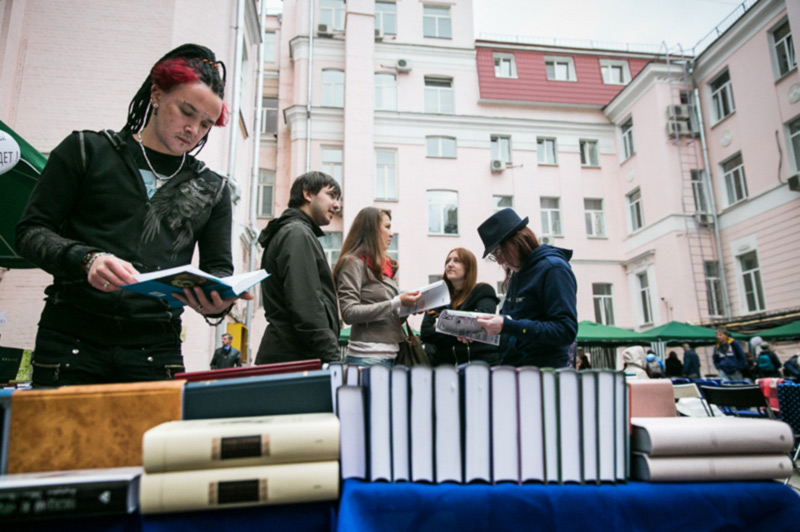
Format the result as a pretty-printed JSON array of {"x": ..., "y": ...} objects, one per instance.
[
  {"x": 466, "y": 294},
  {"x": 369, "y": 298},
  {"x": 539, "y": 319}
]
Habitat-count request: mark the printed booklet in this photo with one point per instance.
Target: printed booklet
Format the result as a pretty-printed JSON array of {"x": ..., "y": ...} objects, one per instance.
[
  {"x": 163, "y": 283},
  {"x": 462, "y": 323},
  {"x": 432, "y": 296}
]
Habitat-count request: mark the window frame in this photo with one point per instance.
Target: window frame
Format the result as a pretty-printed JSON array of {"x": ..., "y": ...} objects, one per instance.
[
  {"x": 603, "y": 304},
  {"x": 787, "y": 43},
  {"x": 381, "y": 16},
  {"x": 737, "y": 173},
  {"x": 699, "y": 192},
  {"x": 498, "y": 198},
  {"x": 331, "y": 89},
  {"x": 551, "y": 217},
  {"x": 754, "y": 274},
  {"x": 593, "y": 218},
  {"x": 721, "y": 91},
  {"x": 438, "y": 20},
  {"x": 572, "y": 77},
  {"x": 270, "y": 47},
  {"x": 626, "y": 135},
  {"x": 635, "y": 210},
  {"x": 389, "y": 195},
  {"x": 331, "y": 253},
  {"x": 503, "y": 57},
  {"x": 542, "y": 154},
  {"x": 645, "y": 301},
  {"x": 335, "y": 169},
  {"x": 265, "y": 182},
  {"x": 591, "y": 146},
  {"x": 608, "y": 64},
  {"x": 444, "y": 95},
  {"x": 440, "y": 146},
  {"x": 443, "y": 215},
  {"x": 497, "y": 149},
  {"x": 337, "y": 11},
  {"x": 713, "y": 288},
  {"x": 388, "y": 91},
  {"x": 269, "y": 115},
  {"x": 793, "y": 138}
]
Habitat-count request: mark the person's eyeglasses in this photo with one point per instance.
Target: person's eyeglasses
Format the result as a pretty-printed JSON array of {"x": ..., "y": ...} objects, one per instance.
[{"x": 496, "y": 254}]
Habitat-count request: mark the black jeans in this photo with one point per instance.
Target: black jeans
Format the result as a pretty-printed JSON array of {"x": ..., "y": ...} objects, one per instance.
[{"x": 62, "y": 359}]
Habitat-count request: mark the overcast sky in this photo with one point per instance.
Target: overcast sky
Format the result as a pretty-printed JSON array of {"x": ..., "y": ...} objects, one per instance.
[{"x": 616, "y": 21}]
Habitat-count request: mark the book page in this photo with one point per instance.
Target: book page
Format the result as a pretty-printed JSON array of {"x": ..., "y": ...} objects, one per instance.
[
  {"x": 461, "y": 323},
  {"x": 431, "y": 296}
]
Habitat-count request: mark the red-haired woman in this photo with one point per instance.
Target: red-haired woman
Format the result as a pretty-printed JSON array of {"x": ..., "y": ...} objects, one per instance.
[
  {"x": 109, "y": 205},
  {"x": 460, "y": 275}
]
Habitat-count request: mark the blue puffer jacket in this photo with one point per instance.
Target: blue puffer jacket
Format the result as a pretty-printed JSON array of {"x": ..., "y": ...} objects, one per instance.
[{"x": 541, "y": 318}]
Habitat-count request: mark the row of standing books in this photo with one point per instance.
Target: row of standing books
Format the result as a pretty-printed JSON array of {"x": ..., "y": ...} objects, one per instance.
[{"x": 476, "y": 423}]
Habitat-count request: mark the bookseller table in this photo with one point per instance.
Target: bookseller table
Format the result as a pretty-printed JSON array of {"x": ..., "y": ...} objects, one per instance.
[{"x": 751, "y": 506}]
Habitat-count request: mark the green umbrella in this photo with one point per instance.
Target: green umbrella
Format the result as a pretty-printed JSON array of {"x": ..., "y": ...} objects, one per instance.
[
  {"x": 16, "y": 186},
  {"x": 788, "y": 331},
  {"x": 676, "y": 333},
  {"x": 591, "y": 333}
]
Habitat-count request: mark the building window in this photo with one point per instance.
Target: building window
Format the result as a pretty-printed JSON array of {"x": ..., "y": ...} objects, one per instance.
[
  {"x": 735, "y": 184},
  {"x": 751, "y": 281},
  {"x": 546, "y": 151},
  {"x": 626, "y": 130},
  {"x": 331, "y": 13},
  {"x": 444, "y": 147},
  {"x": 266, "y": 189},
  {"x": 595, "y": 220},
  {"x": 722, "y": 96},
  {"x": 603, "y": 303},
  {"x": 501, "y": 148},
  {"x": 270, "y": 51},
  {"x": 784, "y": 49},
  {"x": 332, "y": 88},
  {"x": 644, "y": 297},
  {"x": 560, "y": 68},
  {"x": 386, "y": 17},
  {"x": 442, "y": 212},
  {"x": 794, "y": 136},
  {"x": 331, "y": 246},
  {"x": 615, "y": 72},
  {"x": 504, "y": 66},
  {"x": 269, "y": 115},
  {"x": 713, "y": 288},
  {"x": 635, "y": 212},
  {"x": 551, "y": 216},
  {"x": 699, "y": 191},
  {"x": 394, "y": 248},
  {"x": 385, "y": 92},
  {"x": 439, "y": 96},
  {"x": 502, "y": 202},
  {"x": 434, "y": 277},
  {"x": 436, "y": 22},
  {"x": 589, "y": 153},
  {"x": 385, "y": 175},
  {"x": 332, "y": 163}
]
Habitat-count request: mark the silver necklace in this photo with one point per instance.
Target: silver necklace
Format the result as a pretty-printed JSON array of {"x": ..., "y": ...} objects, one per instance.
[{"x": 144, "y": 153}]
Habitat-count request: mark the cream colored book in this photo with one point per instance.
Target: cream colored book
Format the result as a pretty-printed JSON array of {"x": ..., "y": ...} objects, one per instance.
[
  {"x": 233, "y": 487},
  {"x": 241, "y": 442},
  {"x": 681, "y": 436},
  {"x": 710, "y": 468}
]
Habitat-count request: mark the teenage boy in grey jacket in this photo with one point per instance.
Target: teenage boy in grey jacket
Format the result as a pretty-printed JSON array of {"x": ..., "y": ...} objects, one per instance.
[{"x": 299, "y": 298}]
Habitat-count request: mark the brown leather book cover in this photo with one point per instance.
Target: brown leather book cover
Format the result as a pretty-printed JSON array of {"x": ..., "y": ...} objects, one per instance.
[
  {"x": 87, "y": 427},
  {"x": 652, "y": 398},
  {"x": 265, "y": 369}
]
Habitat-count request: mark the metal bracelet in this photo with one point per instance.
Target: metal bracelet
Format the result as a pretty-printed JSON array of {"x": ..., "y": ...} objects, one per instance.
[{"x": 94, "y": 257}]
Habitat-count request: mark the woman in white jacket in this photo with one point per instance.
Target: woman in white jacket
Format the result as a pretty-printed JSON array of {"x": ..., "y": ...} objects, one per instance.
[{"x": 635, "y": 362}]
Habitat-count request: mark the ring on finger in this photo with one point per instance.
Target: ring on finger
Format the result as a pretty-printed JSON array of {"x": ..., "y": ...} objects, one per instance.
[
  {"x": 199, "y": 308},
  {"x": 106, "y": 284}
]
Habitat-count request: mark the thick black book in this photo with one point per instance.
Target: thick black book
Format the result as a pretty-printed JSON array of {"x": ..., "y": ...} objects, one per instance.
[
  {"x": 304, "y": 392},
  {"x": 62, "y": 494}
]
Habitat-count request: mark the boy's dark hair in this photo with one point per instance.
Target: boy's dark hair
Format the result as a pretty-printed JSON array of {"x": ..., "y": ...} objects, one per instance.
[{"x": 312, "y": 182}]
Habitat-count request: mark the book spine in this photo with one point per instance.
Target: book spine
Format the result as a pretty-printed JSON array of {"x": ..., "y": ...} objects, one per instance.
[
  {"x": 68, "y": 500},
  {"x": 711, "y": 468},
  {"x": 239, "y": 487}
]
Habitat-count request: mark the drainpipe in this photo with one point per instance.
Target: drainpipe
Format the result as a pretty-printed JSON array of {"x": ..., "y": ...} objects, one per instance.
[
  {"x": 712, "y": 200},
  {"x": 248, "y": 320},
  {"x": 308, "y": 89}
]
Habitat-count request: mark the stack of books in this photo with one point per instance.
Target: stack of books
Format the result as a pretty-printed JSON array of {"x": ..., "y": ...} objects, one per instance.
[
  {"x": 474, "y": 423},
  {"x": 235, "y": 462},
  {"x": 688, "y": 449}
]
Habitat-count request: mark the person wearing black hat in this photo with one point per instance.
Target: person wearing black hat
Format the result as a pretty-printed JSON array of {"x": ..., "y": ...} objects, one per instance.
[{"x": 539, "y": 318}]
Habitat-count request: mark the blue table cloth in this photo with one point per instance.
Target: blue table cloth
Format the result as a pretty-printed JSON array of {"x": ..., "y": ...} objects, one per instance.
[{"x": 728, "y": 506}]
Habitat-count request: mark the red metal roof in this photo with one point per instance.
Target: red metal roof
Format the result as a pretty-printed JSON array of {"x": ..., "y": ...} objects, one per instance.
[{"x": 532, "y": 85}]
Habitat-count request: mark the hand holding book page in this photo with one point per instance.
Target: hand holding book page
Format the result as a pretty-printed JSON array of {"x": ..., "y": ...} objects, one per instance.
[
  {"x": 187, "y": 285},
  {"x": 464, "y": 325},
  {"x": 431, "y": 296}
]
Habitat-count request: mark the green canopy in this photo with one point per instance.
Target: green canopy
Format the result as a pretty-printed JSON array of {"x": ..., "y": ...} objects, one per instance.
[
  {"x": 16, "y": 186},
  {"x": 591, "y": 333},
  {"x": 676, "y": 333},
  {"x": 788, "y": 331}
]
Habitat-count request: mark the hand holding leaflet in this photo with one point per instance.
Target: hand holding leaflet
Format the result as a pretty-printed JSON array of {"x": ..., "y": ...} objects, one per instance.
[
  {"x": 465, "y": 325},
  {"x": 431, "y": 296}
]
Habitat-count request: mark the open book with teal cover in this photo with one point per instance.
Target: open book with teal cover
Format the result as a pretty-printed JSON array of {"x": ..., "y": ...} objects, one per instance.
[{"x": 164, "y": 283}]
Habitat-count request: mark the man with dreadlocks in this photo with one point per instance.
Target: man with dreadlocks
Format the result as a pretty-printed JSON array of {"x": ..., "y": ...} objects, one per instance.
[{"x": 109, "y": 205}]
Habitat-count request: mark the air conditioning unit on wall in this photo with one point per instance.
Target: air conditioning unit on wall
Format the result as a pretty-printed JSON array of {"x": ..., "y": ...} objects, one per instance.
[
  {"x": 403, "y": 65},
  {"x": 794, "y": 182},
  {"x": 378, "y": 34},
  {"x": 678, "y": 112},
  {"x": 323, "y": 30},
  {"x": 497, "y": 166},
  {"x": 704, "y": 219},
  {"x": 679, "y": 128},
  {"x": 546, "y": 239}
]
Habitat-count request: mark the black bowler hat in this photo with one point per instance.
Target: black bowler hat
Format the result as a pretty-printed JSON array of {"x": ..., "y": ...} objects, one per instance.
[{"x": 498, "y": 227}]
